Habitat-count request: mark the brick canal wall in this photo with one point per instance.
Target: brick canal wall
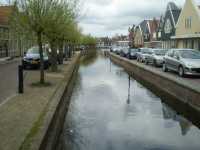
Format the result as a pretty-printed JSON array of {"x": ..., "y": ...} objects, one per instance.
[
  {"x": 173, "y": 87},
  {"x": 57, "y": 111}
]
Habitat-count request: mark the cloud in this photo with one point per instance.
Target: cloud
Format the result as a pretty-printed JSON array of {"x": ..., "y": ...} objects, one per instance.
[{"x": 108, "y": 17}]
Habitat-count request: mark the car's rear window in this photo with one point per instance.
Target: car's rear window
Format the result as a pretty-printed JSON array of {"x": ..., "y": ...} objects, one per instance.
[
  {"x": 160, "y": 52},
  {"x": 190, "y": 54}
]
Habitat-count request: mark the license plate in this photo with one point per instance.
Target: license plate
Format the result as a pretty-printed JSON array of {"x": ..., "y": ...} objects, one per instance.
[{"x": 34, "y": 62}]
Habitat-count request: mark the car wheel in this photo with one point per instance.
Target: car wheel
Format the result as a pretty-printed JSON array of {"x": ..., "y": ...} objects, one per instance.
[
  {"x": 181, "y": 71},
  {"x": 155, "y": 63},
  {"x": 146, "y": 62},
  {"x": 24, "y": 67},
  {"x": 164, "y": 68}
]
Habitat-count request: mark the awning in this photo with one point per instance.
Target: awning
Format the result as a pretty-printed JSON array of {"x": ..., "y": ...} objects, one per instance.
[{"x": 186, "y": 36}]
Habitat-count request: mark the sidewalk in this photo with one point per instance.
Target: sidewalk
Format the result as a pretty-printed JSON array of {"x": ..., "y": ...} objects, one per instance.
[
  {"x": 6, "y": 60},
  {"x": 22, "y": 115}
]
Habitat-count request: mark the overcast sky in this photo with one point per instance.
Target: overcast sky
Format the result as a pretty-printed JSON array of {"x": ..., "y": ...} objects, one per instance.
[{"x": 110, "y": 17}]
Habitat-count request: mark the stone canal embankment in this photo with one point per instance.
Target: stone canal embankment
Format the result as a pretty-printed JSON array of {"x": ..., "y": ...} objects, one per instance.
[
  {"x": 182, "y": 89},
  {"x": 34, "y": 120}
]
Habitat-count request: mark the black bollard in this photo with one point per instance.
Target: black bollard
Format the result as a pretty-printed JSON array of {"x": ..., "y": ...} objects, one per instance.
[{"x": 20, "y": 79}]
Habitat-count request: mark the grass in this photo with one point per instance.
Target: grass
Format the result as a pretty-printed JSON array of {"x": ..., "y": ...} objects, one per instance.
[{"x": 38, "y": 84}]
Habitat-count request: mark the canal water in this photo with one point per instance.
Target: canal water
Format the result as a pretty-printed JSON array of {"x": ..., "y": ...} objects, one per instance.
[{"x": 111, "y": 111}]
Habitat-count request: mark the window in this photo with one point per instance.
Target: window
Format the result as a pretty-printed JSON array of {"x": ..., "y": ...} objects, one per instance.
[
  {"x": 170, "y": 53},
  {"x": 176, "y": 54},
  {"x": 159, "y": 34},
  {"x": 188, "y": 22}
]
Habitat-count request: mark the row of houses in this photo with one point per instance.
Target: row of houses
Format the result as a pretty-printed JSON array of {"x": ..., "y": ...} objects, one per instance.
[
  {"x": 177, "y": 28},
  {"x": 117, "y": 40}
]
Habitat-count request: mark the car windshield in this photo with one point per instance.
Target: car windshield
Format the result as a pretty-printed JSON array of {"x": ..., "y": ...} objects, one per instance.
[
  {"x": 145, "y": 51},
  {"x": 160, "y": 52},
  {"x": 134, "y": 50},
  {"x": 190, "y": 54},
  {"x": 125, "y": 49},
  {"x": 35, "y": 50}
]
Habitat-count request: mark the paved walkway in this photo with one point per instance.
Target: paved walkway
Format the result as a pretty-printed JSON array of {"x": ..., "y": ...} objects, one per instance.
[
  {"x": 20, "y": 113},
  {"x": 8, "y": 77}
]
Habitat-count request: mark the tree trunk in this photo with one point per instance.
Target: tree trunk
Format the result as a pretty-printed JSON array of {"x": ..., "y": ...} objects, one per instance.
[
  {"x": 61, "y": 53},
  {"x": 54, "y": 66},
  {"x": 42, "y": 80}
]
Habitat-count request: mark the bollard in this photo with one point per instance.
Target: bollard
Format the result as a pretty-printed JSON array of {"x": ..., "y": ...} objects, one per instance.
[{"x": 20, "y": 79}]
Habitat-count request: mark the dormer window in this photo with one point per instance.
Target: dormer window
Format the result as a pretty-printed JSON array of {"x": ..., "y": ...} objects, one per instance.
[{"x": 188, "y": 22}]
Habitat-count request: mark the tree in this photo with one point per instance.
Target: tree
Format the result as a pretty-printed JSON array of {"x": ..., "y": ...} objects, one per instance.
[
  {"x": 61, "y": 17},
  {"x": 89, "y": 41},
  {"x": 32, "y": 16}
]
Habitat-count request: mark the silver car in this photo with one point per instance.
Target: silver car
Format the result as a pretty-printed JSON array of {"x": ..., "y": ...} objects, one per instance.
[
  {"x": 144, "y": 52},
  {"x": 183, "y": 61},
  {"x": 124, "y": 52},
  {"x": 156, "y": 57}
]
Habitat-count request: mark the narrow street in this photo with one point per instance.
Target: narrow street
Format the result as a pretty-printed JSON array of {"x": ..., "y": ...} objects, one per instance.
[{"x": 8, "y": 83}]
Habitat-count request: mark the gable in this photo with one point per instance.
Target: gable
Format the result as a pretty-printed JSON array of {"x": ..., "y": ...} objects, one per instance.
[
  {"x": 190, "y": 11},
  {"x": 170, "y": 20}
]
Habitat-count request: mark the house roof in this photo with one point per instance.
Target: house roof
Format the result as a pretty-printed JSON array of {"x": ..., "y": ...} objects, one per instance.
[
  {"x": 5, "y": 12},
  {"x": 153, "y": 25},
  {"x": 174, "y": 12},
  {"x": 143, "y": 26}
]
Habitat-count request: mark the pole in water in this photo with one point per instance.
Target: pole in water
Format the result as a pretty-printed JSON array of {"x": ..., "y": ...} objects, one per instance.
[
  {"x": 129, "y": 87},
  {"x": 20, "y": 79}
]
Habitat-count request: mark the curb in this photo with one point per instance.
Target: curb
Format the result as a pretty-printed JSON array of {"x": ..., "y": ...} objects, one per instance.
[{"x": 9, "y": 60}]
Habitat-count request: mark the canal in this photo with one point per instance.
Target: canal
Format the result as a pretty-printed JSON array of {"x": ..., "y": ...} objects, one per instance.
[{"x": 111, "y": 111}]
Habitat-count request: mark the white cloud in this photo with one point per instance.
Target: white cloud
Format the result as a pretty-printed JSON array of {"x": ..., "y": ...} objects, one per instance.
[{"x": 108, "y": 17}]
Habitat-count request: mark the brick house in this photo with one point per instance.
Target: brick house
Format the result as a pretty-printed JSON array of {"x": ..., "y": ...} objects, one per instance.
[
  {"x": 11, "y": 45},
  {"x": 5, "y": 12}
]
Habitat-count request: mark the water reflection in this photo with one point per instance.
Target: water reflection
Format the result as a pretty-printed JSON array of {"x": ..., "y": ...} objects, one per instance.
[
  {"x": 129, "y": 89},
  {"x": 169, "y": 113},
  {"x": 109, "y": 110}
]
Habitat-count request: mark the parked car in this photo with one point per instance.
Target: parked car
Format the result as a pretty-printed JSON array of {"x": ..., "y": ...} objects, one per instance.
[
  {"x": 182, "y": 61},
  {"x": 144, "y": 52},
  {"x": 124, "y": 52},
  {"x": 156, "y": 57},
  {"x": 118, "y": 50},
  {"x": 111, "y": 48},
  {"x": 32, "y": 58},
  {"x": 133, "y": 53},
  {"x": 114, "y": 50}
]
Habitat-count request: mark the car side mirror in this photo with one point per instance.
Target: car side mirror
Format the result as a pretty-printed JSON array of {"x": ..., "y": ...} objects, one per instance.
[{"x": 177, "y": 57}]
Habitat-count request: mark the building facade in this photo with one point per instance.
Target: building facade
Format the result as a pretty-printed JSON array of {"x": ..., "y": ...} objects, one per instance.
[
  {"x": 146, "y": 34},
  {"x": 167, "y": 27},
  {"x": 141, "y": 34},
  {"x": 151, "y": 34},
  {"x": 188, "y": 27},
  {"x": 11, "y": 44},
  {"x": 131, "y": 32}
]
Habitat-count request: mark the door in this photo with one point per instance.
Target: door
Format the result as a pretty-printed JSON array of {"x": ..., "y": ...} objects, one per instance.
[
  {"x": 169, "y": 59},
  {"x": 176, "y": 61}
]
